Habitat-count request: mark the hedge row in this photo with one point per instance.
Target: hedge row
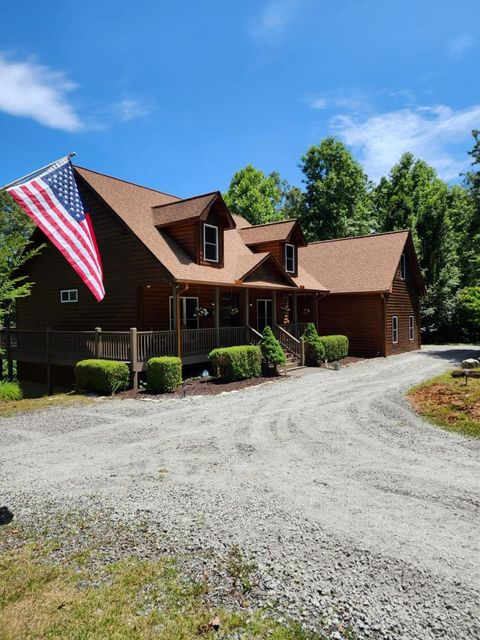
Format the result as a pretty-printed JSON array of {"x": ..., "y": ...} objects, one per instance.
[
  {"x": 237, "y": 363},
  {"x": 336, "y": 347},
  {"x": 102, "y": 376},
  {"x": 164, "y": 374}
]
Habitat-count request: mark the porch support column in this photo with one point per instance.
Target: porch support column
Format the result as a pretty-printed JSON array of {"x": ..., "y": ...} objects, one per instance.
[
  {"x": 217, "y": 316},
  {"x": 274, "y": 308},
  {"x": 176, "y": 318},
  {"x": 247, "y": 307},
  {"x": 315, "y": 310},
  {"x": 295, "y": 309}
]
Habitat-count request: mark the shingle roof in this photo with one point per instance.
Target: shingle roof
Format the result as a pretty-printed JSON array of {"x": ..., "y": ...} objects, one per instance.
[
  {"x": 355, "y": 265},
  {"x": 271, "y": 232},
  {"x": 165, "y": 214},
  {"x": 133, "y": 204}
]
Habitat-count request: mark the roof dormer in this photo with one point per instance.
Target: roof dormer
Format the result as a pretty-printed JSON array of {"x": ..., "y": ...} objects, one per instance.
[{"x": 197, "y": 225}]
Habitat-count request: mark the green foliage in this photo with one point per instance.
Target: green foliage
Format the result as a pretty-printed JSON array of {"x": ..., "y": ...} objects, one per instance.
[
  {"x": 102, "y": 376},
  {"x": 271, "y": 349},
  {"x": 237, "y": 363},
  {"x": 256, "y": 196},
  {"x": 9, "y": 391},
  {"x": 336, "y": 202},
  {"x": 468, "y": 311},
  {"x": 314, "y": 349},
  {"x": 164, "y": 374},
  {"x": 15, "y": 250},
  {"x": 336, "y": 347}
]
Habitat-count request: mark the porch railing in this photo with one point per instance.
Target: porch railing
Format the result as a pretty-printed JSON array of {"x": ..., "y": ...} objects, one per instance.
[
  {"x": 295, "y": 329},
  {"x": 288, "y": 342}
]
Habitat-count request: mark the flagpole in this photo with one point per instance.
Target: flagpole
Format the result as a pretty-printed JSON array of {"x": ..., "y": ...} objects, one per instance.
[{"x": 24, "y": 178}]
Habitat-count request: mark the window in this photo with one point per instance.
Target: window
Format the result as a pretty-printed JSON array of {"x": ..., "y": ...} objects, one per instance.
[
  {"x": 290, "y": 258},
  {"x": 188, "y": 315},
  {"x": 411, "y": 328},
  {"x": 210, "y": 243},
  {"x": 403, "y": 267},
  {"x": 68, "y": 295},
  {"x": 394, "y": 329}
]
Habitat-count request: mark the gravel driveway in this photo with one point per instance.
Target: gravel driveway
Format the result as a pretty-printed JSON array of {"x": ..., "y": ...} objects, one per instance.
[{"x": 356, "y": 511}]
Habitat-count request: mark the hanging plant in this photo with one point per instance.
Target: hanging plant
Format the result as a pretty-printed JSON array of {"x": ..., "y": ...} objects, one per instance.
[
  {"x": 200, "y": 312},
  {"x": 233, "y": 311},
  {"x": 285, "y": 308}
]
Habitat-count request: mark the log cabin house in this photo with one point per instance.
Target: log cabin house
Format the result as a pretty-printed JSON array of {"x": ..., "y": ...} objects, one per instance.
[{"x": 189, "y": 276}]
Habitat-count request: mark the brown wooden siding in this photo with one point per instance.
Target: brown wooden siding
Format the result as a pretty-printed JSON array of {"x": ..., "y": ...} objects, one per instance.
[
  {"x": 359, "y": 317},
  {"x": 277, "y": 249},
  {"x": 403, "y": 302},
  {"x": 128, "y": 265},
  {"x": 186, "y": 235}
]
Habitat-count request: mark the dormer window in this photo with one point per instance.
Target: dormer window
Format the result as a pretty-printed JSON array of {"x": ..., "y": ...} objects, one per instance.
[
  {"x": 403, "y": 267},
  {"x": 290, "y": 258},
  {"x": 210, "y": 243}
]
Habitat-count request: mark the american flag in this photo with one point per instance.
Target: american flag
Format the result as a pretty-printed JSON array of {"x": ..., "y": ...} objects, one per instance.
[{"x": 52, "y": 200}]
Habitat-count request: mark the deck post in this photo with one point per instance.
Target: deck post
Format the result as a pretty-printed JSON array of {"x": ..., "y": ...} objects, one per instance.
[
  {"x": 302, "y": 351},
  {"x": 217, "y": 316},
  {"x": 98, "y": 342},
  {"x": 48, "y": 355},
  {"x": 133, "y": 358},
  {"x": 274, "y": 308}
]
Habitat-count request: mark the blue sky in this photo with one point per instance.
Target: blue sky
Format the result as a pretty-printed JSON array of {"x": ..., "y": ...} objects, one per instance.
[{"x": 180, "y": 95}]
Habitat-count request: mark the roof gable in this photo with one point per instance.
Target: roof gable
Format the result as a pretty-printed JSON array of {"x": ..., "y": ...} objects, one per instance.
[
  {"x": 198, "y": 207},
  {"x": 281, "y": 231},
  {"x": 362, "y": 264}
]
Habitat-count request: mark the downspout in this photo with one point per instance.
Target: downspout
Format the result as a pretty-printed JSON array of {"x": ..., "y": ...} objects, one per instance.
[{"x": 177, "y": 324}]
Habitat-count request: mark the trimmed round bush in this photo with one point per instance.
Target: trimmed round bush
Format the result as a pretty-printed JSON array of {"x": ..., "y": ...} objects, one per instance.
[
  {"x": 102, "y": 376},
  {"x": 164, "y": 374},
  {"x": 272, "y": 352},
  {"x": 237, "y": 363},
  {"x": 336, "y": 347},
  {"x": 10, "y": 391},
  {"x": 314, "y": 349}
]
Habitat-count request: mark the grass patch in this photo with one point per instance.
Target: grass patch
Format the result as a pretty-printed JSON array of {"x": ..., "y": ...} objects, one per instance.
[
  {"x": 12, "y": 407},
  {"x": 78, "y": 598},
  {"x": 449, "y": 403}
]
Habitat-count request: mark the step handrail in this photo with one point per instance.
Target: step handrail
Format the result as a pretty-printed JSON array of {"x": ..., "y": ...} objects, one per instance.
[
  {"x": 257, "y": 336},
  {"x": 289, "y": 342}
]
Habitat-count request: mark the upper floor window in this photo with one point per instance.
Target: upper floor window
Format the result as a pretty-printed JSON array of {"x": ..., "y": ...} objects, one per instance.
[
  {"x": 290, "y": 258},
  {"x": 68, "y": 295},
  {"x": 210, "y": 243},
  {"x": 403, "y": 267}
]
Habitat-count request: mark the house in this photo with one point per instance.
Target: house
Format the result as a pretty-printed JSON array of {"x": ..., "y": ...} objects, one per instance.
[{"x": 189, "y": 276}]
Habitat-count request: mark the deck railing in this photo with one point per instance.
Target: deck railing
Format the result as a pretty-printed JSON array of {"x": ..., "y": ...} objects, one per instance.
[{"x": 296, "y": 330}]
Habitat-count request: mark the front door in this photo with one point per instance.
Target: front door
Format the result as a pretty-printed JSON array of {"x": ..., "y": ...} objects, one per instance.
[{"x": 264, "y": 314}]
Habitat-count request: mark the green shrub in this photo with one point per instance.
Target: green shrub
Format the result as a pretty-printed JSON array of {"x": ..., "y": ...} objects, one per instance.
[
  {"x": 102, "y": 376},
  {"x": 336, "y": 347},
  {"x": 164, "y": 374},
  {"x": 237, "y": 363},
  {"x": 272, "y": 352},
  {"x": 10, "y": 391},
  {"x": 314, "y": 349}
]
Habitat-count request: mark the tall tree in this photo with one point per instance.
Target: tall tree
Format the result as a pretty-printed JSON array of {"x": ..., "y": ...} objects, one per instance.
[
  {"x": 414, "y": 197},
  {"x": 336, "y": 199},
  {"x": 256, "y": 196},
  {"x": 471, "y": 249},
  {"x": 15, "y": 249}
]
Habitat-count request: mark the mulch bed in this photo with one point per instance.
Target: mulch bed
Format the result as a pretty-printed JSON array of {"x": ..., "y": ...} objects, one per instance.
[{"x": 199, "y": 387}]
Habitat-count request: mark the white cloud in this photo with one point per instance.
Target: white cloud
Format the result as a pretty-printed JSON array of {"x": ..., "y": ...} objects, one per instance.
[
  {"x": 460, "y": 44},
  {"x": 130, "y": 109},
  {"x": 427, "y": 132},
  {"x": 318, "y": 103},
  {"x": 348, "y": 99},
  {"x": 275, "y": 18},
  {"x": 31, "y": 90}
]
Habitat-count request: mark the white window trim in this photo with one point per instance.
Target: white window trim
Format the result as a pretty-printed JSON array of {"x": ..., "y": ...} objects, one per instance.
[
  {"x": 171, "y": 313},
  {"x": 71, "y": 297},
  {"x": 411, "y": 328},
  {"x": 210, "y": 226},
  {"x": 395, "y": 331},
  {"x": 403, "y": 267},
  {"x": 293, "y": 258}
]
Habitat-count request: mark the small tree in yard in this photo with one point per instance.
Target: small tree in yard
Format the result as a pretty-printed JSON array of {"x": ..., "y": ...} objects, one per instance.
[
  {"x": 272, "y": 352},
  {"x": 314, "y": 349}
]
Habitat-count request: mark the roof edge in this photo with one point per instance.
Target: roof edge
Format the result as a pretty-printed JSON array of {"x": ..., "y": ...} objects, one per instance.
[
  {"x": 134, "y": 184},
  {"x": 366, "y": 235}
]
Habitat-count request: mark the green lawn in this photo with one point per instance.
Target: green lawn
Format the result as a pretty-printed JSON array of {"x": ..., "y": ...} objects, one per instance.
[{"x": 449, "y": 403}]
